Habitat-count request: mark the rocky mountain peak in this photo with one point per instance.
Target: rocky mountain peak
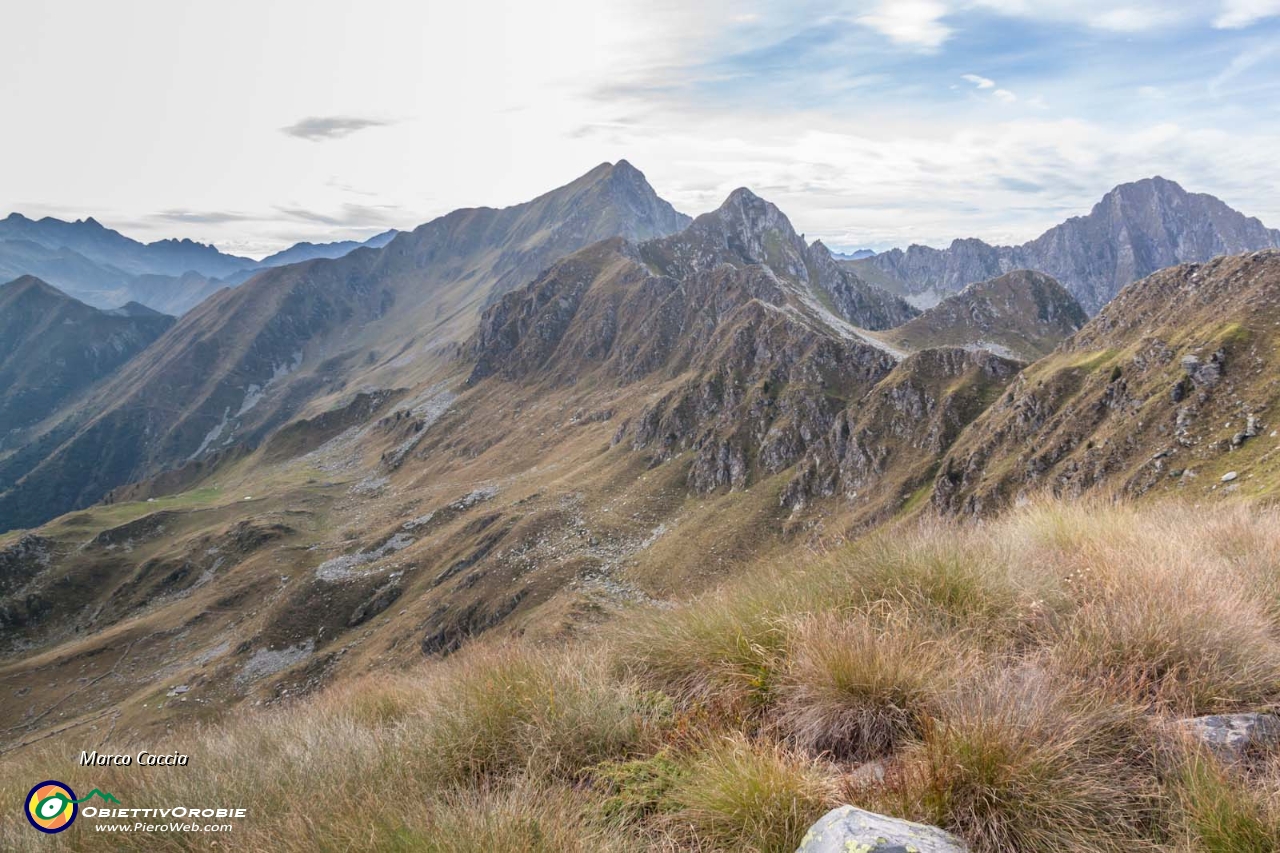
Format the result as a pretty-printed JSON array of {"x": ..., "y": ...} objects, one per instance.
[
  {"x": 1134, "y": 230},
  {"x": 745, "y": 213},
  {"x": 742, "y": 231}
]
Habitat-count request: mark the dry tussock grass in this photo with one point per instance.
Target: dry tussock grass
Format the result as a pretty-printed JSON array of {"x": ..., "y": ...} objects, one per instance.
[{"x": 1012, "y": 678}]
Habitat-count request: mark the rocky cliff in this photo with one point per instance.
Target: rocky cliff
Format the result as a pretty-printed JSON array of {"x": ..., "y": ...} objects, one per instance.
[{"x": 1135, "y": 230}]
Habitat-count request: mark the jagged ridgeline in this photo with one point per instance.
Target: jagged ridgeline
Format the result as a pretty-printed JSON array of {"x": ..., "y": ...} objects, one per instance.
[
  {"x": 1135, "y": 230},
  {"x": 517, "y": 420}
]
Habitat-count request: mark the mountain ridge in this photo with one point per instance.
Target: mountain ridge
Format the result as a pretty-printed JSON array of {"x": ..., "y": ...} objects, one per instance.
[
  {"x": 105, "y": 269},
  {"x": 249, "y": 357},
  {"x": 53, "y": 347},
  {"x": 1021, "y": 315},
  {"x": 1134, "y": 230}
]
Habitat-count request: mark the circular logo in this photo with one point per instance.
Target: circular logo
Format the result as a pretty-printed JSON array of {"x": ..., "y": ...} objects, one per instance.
[{"x": 51, "y": 806}]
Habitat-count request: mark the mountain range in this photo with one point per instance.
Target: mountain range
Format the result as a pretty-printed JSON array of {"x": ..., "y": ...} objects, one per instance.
[
  {"x": 106, "y": 269},
  {"x": 52, "y": 347},
  {"x": 1135, "y": 230},
  {"x": 248, "y": 358},
  {"x": 519, "y": 419}
]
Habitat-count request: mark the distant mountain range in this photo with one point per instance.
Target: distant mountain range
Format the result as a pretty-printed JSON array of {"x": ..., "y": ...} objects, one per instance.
[
  {"x": 309, "y": 327},
  {"x": 310, "y": 251},
  {"x": 859, "y": 255},
  {"x": 106, "y": 269},
  {"x": 53, "y": 347},
  {"x": 1136, "y": 229}
]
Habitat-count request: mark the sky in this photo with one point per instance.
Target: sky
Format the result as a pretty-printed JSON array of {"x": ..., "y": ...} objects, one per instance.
[{"x": 253, "y": 125}]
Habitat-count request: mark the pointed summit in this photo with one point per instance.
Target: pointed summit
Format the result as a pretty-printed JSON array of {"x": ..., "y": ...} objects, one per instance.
[
  {"x": 611, "y": 200},
  {"x": 742, "y": 231},
  {"x": 1134, "y": 230},
  {"x": 28, "y": 284}
]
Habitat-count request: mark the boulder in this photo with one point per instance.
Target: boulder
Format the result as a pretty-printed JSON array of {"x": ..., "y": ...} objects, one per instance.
[
  {"x": 848, "y": 829},
  {"x": 1233, "y": 736}
]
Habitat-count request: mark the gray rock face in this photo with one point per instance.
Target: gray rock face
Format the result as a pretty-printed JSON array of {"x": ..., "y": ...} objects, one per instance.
[
  {"x": 1135, "y": 230},
  {"x": 1232, "y": 737},
  {"x": 852, "y": 830}
]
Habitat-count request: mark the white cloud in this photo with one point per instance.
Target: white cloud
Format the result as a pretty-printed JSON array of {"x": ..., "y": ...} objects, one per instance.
[
  {"x": 917, "y": 23},
  {"x": 1132, "y": 16},
  {"x": 1237, "y": 14},
  {"x": 1002, "y": 95},
  {"x": 1239, "y": 65}
]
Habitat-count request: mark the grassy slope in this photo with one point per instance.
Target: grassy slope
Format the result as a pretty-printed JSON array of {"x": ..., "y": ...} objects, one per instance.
[{"x": 1013, "y": 680}]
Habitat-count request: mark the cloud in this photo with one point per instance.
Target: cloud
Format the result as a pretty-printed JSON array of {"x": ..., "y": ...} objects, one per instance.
[
  {"x": 1108, "y": 15},
  {"x": 201, "y": 217},
  {"x": 1002, "y": 95},
  {"x": 325, "y": 128},
  {"x": 348, "y": 216},
  {"x": 915, "y": 23},
  {"x": 1237, "y": 14},
  {"x": 1239, "y": 65}
]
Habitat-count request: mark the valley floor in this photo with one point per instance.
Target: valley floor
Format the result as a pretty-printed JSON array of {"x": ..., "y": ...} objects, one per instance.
[{"x": 1017, "y": 682}]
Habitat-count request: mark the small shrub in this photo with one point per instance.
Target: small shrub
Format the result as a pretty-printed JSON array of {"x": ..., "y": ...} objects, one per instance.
[
  {"x": 940, "y": 573},
  {"x": 1172, "y": 630},
  {"x": 723, "y": 650},
  {"x": 637, "y": 789}
]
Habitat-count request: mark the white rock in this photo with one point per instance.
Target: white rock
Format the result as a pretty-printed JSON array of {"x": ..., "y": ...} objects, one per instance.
[
  {"x": 851, "y": 829},
  {"x": 1229, "y": 476}
]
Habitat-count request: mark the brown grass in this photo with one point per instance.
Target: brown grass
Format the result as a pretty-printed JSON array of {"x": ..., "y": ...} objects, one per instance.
[
  {"x": 858, "y": 687},
  {"x": 1012, "y": 678}
]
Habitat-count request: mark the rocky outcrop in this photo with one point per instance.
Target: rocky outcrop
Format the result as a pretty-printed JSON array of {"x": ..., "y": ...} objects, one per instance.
[
  {"x": 1234, "y": 737},
  {"x": 886, "y": 443},
  {"x": 852, "y": 830},
  {"x": 760, "y": 401},
  {"x": 22, "y": 561},
  {"x": 1162, "y": 385},
  {"x": 1134, "y": 231}
]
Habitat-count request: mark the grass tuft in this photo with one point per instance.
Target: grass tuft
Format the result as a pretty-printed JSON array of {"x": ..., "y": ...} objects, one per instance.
[
  {"x": 750, "y": 796},
  {"x": 858, "y": 687}
]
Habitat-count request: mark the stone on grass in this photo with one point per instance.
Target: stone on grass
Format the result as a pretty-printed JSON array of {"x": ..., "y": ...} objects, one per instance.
[
  {"x": 852, "y": 830},
  {"x": 1234, "y": 736}
]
